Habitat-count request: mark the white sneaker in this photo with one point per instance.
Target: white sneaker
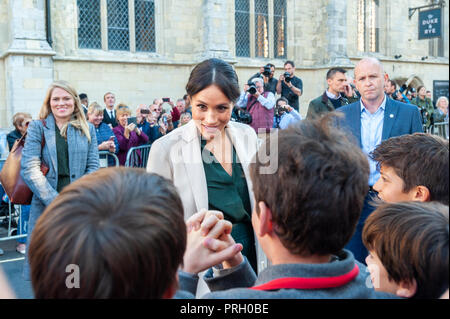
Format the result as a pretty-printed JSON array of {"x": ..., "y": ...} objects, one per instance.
[{"x": 21, "y": 248}]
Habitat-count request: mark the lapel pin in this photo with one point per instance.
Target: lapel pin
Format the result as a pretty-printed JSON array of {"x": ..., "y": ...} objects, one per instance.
[{"x": 391, "y": 116}]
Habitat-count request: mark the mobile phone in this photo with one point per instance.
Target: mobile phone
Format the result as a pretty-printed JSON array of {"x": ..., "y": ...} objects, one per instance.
[
  {"x": 144, "y": 111},
  {"x": 166, "y": 99}
]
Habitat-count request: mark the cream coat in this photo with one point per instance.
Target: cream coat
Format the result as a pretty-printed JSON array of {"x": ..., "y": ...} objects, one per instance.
[{"x": 177, "y": 156}]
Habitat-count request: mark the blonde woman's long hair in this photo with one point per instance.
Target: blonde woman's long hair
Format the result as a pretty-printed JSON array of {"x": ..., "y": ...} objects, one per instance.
[{"x": 78, "y": 119}]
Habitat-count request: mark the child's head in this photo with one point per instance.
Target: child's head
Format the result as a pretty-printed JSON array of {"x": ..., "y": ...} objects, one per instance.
[
  {"x": 413, "y": 168},
  {"x": 408, "y": 248},
  {"x": 119, "y": 232},
  {"x": 316, "y": 194}
]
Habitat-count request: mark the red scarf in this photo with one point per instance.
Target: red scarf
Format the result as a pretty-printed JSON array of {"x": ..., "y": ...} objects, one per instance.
[{"x": 309, "y": 283}]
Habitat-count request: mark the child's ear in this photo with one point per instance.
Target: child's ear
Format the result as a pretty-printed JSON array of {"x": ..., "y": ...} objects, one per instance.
[
  {"x": 265, "y": 219},
  {"x": 421, "y": 194},
  {"x": 407, "y": 289},
  {"x": 172, "y": 289}
]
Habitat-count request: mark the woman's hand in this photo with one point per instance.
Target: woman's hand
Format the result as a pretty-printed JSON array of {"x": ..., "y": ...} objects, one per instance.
[
  {"x": 104, "y": 146},
  {"x": 137, "y": 130},
  {"x": 128, "y": 129},
  {"x": 210, "y": 243},
  {"x": 112, "y": 147}
]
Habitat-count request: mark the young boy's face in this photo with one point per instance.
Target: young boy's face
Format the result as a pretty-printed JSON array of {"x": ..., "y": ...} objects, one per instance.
[
  {"x": 390, "y": 186},
  {"x": 379, "y": 275}
]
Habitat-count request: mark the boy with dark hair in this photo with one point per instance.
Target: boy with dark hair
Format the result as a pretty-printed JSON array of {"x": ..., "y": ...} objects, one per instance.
[
  {"x": 116, "y": 233},
  {"x": 301, "y": 231},
  {"x": 408, "y": 249},
  {"x": 413, "y": 167}
]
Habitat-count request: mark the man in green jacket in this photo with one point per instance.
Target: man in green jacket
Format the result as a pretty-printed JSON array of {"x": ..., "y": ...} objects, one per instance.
[
  {"x": 339, "y": 93},
  {"x": 425, "y": 106}
]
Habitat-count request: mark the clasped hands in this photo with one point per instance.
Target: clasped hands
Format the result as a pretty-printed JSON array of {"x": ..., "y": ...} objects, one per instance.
[{"x": 209, "y": 243}]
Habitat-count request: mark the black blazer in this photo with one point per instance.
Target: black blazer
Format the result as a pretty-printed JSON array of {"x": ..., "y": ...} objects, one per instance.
[{"x": 108, "y": 120}]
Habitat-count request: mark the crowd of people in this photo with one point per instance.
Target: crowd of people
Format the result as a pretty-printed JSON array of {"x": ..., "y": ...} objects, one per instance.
[{"x": 230, "y": 208}]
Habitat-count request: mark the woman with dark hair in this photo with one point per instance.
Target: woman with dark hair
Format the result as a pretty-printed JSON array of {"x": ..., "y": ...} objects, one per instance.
[{"x": 207, "y": 159}]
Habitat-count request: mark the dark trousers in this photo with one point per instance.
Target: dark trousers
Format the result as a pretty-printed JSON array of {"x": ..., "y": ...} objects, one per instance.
[{"x": 355, "y": 245}]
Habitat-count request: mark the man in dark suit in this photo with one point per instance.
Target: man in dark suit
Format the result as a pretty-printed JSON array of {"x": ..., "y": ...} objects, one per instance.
[
  {"x": 109, "y": 114},
  {"x": 371, "y": 120},
  {"x": 84, "y": 102}
]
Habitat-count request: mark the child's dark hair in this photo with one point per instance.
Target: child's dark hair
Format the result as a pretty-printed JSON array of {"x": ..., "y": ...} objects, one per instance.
[
  {"x": 418, "y": 159},
  {"x": 411, "y": 241},
  {"x": 316, "y": 195}
]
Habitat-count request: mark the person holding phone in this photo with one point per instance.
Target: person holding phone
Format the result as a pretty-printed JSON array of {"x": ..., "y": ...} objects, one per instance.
[
  {"x": 174, "y": 111},
  {"x": 106, "y": 139},
  {"x": 338, "y": 93},
  {"x": 145, "y": 122},
  {"x": 128, "y": 134}
]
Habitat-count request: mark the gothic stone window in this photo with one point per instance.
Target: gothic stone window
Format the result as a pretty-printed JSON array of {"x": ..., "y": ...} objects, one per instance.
[
  {"x": 368, "y": 25},
  {"x": 117, "y": 25},
  {"x": 254, "y": 36}
]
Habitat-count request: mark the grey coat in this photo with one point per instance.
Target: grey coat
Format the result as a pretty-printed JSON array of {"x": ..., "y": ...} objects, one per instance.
[
  {"x": 83, "y": 159},
  {"x": 235, "y": 283}
]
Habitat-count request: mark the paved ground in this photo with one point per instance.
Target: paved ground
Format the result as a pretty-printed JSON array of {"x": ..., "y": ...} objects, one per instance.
[{"x": 11, "y": 262}]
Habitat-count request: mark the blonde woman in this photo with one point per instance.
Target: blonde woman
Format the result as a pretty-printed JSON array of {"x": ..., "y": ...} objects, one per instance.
[
  {"x": 441, "y": 114},
  {"x": 70, "y": 149}
]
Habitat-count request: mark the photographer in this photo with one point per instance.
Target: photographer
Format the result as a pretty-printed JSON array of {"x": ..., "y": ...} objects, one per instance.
[
  {"x": 284, "y": 114},
  {"x": 258, "y": 103},
  {"x": 266, "y": 73},
  {"x": 290, "y": 86}
]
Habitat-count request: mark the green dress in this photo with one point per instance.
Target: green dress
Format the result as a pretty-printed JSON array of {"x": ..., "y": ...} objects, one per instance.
[
  {"x": 229, "y": 194},
  {"x": 62, "y": 152}
]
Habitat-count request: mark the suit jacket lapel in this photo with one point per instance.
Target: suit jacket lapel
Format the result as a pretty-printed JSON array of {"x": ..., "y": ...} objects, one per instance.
[
  {"x": 50, "y": 141},
  {"x": 193, "y": 163},
  {"x": 390, "y": 116},
  {"x": 355, "y": 122}
]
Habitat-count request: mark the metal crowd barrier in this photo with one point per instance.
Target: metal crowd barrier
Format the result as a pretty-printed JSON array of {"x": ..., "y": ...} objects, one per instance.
[
  {"x": 104, "y": 158},
  {"x": 14, "y": 213},
  {"x": 138, "y": 156},
  {"x": 440, "y": 129}
]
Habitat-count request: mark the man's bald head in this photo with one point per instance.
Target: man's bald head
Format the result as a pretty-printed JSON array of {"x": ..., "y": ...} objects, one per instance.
[
  {"x": 369, "y": 61},
  {"x": 370, "y": 81}
]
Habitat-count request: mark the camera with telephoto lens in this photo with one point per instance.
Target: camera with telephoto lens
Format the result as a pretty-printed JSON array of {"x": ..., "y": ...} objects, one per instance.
[
  {"x": 267, "y": 71},
  {"x": 280, "y": 110},
  {"x": 241, "y": 116},
  {"x": 403, "y": 88},
  {"x": 252, "y": 88},
  {"x": 287, "y": 77}
]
